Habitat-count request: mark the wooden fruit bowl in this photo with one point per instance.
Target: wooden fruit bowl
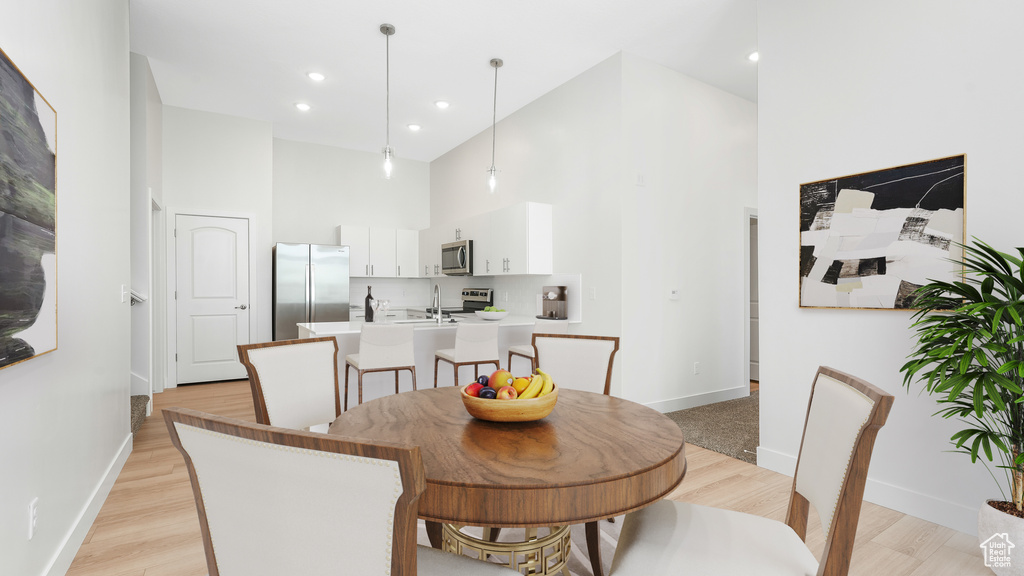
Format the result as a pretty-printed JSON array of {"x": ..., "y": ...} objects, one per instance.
[{"x": 497, "y": 410}]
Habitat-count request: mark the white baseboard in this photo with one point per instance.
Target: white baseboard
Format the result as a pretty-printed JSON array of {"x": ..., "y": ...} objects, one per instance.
[
  {"x": 949, "y": 514},
  {"x": 695, "y": 400},
  {"x": 139, "y": 385},
  {"x": 73, "y": 541}
]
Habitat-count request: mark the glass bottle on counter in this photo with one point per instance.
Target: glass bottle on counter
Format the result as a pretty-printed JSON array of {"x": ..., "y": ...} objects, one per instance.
[{"x": 368, "y": 305}]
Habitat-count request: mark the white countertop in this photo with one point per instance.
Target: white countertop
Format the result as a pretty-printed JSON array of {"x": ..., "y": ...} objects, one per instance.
[{"x": 355, "y": 326}]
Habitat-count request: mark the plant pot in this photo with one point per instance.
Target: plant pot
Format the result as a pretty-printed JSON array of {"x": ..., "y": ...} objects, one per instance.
[{"x": 999, "y": 535}]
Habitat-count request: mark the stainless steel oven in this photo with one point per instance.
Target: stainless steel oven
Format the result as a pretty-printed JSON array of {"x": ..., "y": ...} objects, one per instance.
[{"x": 457, "y": 258}]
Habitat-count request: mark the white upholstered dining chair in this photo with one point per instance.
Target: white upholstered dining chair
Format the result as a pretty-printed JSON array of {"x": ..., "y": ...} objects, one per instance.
[
  {"x": 382, "y": 348},
  {"x": 843, "y": 417},
  {"x": 274, "y": 501},
  {"x": 475, "y": 344},
  {"x": 579, "y": 362},
  {"x": 294, "y": 382},
  {"x": 540, "y": 327}
]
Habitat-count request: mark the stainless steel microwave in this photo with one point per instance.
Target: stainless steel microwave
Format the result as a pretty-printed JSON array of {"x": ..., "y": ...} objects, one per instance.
[{"x": 457, "y": 258}]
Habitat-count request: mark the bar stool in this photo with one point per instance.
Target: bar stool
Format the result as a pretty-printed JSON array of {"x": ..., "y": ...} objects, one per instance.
[
  {"x": 475, "y": 344},
  {"x": 540, "y": 327},
  {"x": 382, "y": 348}
]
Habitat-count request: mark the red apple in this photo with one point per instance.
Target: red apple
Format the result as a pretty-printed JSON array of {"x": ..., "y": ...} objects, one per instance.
[
  {"x": 474, "y": 389},
  {"x": 500, "y": 378},
  {"x": 507, "y": 393}
]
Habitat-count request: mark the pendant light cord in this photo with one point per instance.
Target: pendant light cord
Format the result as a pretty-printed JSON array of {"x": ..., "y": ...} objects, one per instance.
[
  {"x": 387, "y": 84},
  {"x": 494, "y": 118}
]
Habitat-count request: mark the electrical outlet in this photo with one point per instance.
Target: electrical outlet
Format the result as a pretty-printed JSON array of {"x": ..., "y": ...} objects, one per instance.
[
  {"x": 696, "y": 368},
  {"x": 33, "y": 516}
]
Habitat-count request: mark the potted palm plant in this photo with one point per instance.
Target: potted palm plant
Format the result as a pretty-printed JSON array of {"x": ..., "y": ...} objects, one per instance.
[{"x": 970, "y": 354}]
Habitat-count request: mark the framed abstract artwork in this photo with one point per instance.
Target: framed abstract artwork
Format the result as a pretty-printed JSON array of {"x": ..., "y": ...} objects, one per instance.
[
  {"x": 28, "y": 219},
  {"x": 869, "y": 240}
]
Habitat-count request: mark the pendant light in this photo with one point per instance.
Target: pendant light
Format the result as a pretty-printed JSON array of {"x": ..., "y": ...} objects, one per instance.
[
  {"x": 492, "y": 180},
  {"x": 387, "y": 30}
]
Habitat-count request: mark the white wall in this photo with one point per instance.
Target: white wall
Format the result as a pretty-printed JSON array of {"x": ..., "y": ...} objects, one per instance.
[
  {"x": 563, "y": 149},
  {"x": 222, "y": 166},
  {"x": 695, "y": 149},
  {"x": 158, "y": 259},
  {"x": 853, "y": 87},
  {"x": 64, "y": 424},
  {"x": 141, "y": 227},
  {"x": 318, "y": 187},
  {"x": 580, "y": 148}
]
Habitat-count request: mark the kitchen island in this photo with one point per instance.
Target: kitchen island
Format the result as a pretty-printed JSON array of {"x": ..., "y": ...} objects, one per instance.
[{"x": 429, "y": 336}]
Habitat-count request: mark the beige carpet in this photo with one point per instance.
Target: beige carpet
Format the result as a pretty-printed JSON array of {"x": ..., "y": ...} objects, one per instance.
[
  {"x": 138, "y": 411},
  {"x": 579, "y": 560},
  {"x": 730, "y": 427}
]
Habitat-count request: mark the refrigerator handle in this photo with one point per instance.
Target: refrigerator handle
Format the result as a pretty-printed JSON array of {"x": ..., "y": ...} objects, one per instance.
[
  {"x": 307, "y": 293},
  {"x": 312, "y": 292}
]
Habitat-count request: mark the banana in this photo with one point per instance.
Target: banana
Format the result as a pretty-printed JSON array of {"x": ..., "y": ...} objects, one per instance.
[
  {"x": 549, "y": 384},
  {"x": 531, "y": 391}
]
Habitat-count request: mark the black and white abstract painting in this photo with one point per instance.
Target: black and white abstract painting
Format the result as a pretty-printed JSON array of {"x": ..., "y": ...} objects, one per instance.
[
  {"x": 869, "y": 240},
  {"x": 28, "y": 215}
]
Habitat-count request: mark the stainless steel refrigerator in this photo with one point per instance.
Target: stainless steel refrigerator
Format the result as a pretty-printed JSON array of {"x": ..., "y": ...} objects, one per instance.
[{"x": 310, "y": 285}]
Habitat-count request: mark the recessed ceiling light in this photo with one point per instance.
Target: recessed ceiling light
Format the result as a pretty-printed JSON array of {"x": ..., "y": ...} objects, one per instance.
[
  {"x": 316, "y": 76},
  {"x": 414, "y": 127},
  {"x": 441, "y": 104},
  {"x": 302, "y": 106},
  {"x": 754, "y": 57}
]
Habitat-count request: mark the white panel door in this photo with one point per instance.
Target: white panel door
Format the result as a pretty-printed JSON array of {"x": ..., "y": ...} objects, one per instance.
[{"x": 211, "y": 296}]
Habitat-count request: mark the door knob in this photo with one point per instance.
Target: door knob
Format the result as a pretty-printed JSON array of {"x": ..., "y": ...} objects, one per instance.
[{"x": 242, "y": 307}]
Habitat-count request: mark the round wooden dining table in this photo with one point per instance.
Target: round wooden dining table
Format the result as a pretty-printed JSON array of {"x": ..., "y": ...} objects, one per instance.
[{"x": 593, "y": 457}]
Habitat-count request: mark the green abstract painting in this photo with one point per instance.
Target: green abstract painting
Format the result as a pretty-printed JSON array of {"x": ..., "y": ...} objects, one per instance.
[{"x": 28, "y": 201}]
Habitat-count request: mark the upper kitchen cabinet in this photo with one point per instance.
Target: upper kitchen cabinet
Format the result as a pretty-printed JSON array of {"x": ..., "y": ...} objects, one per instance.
[
  {"x": 517, "y": 240},
  {"x": 375, "y": 253},
  {"x": 430, "y": 252},
  {"x": 407, "y": 253}
]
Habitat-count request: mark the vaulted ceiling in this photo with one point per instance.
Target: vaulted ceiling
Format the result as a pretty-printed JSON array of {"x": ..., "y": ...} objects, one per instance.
[{"x": 250, "y": 58}]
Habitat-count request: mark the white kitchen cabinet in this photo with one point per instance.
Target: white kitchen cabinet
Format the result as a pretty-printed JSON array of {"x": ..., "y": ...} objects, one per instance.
[
  {"x": 407, "y": 253},
  {"x": 357, "y": 238},
  {"x": 374, "y": 251},
  {"x": 517, "y": 240},
  {"x": 382, "y": 253},
  {"x": 430, "y": 252}
]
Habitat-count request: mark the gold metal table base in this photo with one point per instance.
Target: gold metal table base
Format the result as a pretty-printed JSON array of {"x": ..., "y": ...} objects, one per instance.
[{"x": 547, "y": 554}]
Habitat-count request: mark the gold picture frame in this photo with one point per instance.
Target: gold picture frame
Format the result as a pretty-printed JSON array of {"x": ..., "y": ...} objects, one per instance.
[{"x": 28, "y": 219}]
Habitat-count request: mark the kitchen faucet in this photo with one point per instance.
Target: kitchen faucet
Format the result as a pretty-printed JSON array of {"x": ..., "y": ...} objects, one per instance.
[{"x": 436, "y": 303}]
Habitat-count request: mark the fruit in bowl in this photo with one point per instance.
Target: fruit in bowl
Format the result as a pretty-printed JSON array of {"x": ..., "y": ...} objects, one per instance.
[
  {"x": 507, "y": 404},
  {"x": 507, "y": 393},
  {"x": 491, "y": 314},
  {"x": 500, "y": 378}
]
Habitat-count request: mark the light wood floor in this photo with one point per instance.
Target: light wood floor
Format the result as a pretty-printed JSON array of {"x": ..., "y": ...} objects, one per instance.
[{"x": 148, "y": 525}]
